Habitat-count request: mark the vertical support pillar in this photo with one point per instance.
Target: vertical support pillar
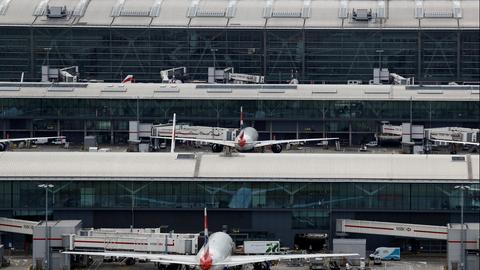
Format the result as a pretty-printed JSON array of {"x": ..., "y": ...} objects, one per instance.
[
  {"x": 303, "y": 57},
  {"x": 349, "y": 134},
  {"x": 296, "y": 130},
  {"x": 58, "y": 127},
  {"x": 174, "y": 125},
  {"x": 265, "y": 53},
  {"x": 112, "y": 137},
  {"x": 270, "y": 127},
  {"x": 4, "y": 124},
  {"x": 459, "y": 55},
  {"x": 32, "y": 54},
  {"x": 419, "y": 55},
  {"x": 31, "y": 128}
]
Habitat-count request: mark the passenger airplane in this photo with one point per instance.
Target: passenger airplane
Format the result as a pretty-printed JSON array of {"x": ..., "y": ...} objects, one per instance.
[
  {"x": 247, "y": 140},
  {"x": 5, "y": 142},
  {"x": 216, "y": 254}
]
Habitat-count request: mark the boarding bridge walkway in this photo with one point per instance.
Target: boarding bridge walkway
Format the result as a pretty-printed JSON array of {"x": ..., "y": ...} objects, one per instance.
[
  {"x": 392, "y": 229},
  {"x": 17, "y": 226},
  {"x": 138, "y": 240},
  {"x": 69, "y": 235}
]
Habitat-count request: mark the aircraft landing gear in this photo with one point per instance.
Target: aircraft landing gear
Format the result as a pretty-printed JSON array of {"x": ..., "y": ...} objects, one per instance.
[{"x": 261, "y": 266}]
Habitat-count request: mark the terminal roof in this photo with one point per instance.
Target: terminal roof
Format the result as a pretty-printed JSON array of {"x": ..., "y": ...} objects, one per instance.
[
  {"x": 244, "y": 14},
  {"x": 239, "y": 92},
  {"x": 248, "y": 167}
]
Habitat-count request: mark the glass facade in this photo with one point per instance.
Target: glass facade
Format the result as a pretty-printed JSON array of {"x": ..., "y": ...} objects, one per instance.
[
  {"x": 310, "y": 203},
  {"x": 311, "y": 55},
  {"x": 73, "y": 117}
]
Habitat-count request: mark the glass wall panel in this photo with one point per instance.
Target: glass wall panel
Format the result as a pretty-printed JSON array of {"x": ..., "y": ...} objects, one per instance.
[{"x": 317, "y": 55}]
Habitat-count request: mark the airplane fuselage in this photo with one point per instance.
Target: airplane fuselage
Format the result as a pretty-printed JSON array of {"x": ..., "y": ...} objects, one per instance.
[
  {"x": 245, "y": 141},
  {"x": 219, "y": 247}
]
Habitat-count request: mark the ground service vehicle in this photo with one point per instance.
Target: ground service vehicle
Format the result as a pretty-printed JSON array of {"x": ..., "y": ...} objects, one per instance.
[{"x": 386, "y": 254}]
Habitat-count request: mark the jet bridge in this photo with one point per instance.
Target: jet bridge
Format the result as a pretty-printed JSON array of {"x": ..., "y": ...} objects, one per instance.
[
  {"x": 453, "y": 234},
  {"x": 17, "y": 226},
  {"x": 68, "y": 235},
  {"x": 392, "y": 229}
]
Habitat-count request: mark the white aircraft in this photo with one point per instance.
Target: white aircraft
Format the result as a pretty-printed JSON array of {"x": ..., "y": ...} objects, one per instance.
[
  {"x": 5, "y": 142},
  {"x": 247, "y": 140},
  {"x": 216, "y": 254}
]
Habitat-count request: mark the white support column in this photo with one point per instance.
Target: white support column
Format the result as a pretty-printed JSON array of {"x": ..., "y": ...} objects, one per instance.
[{"x": 174, "y": 124}]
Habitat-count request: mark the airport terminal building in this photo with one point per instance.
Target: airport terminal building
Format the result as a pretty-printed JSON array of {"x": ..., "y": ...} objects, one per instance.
[
  {"x": 316, "y": 41},
  {"x": 259, "y": 196},
  {"x": 354, "y": 113}
]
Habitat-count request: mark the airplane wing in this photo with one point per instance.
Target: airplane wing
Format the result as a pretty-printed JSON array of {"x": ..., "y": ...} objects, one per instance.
[
  {"x": 456, "y": 142},
  {"x": 212, "y": 141},
  {"x": 161, "y": 258},
  {"x": 235, "y": 260},
  {"x": 31, "y": 139},
  {"x": 271, "y": 142}
]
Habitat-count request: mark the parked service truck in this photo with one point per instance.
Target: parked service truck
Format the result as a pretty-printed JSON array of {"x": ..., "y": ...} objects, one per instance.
[
  {"x": 261, "y": 247},
  {"x": 386, "y": 254}
]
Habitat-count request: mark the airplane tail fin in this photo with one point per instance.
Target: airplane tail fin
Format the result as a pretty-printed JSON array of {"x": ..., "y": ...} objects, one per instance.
[
  {"x": 205, "y": 225},
  {"x": 128, "y": 79},
  {"x": 241, "y": 117}
]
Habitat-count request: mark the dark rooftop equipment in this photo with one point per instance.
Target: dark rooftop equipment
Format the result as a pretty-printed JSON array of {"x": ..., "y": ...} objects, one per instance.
[
  {"x": 362, "y": 14},
  {"x": 56, "y": 12}
]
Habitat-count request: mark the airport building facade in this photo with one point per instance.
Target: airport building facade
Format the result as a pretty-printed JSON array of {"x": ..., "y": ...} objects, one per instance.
[
  {"x": 354, "y": 113},
  {"x": 315, "y": 41},
  {"x": 256, "y": 196}
]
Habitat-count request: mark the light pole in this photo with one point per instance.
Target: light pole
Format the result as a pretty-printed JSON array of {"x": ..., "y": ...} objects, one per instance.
[
  {"x": 462, "y": 189},
  {"x": 47, "y": 252}
]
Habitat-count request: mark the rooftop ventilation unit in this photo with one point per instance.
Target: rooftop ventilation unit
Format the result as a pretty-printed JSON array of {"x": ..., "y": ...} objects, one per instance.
[
  {"x": 4, "y": 6},
  {"x": 286, "y": 14},
  {"x": 438, "y": 14},
  {"x": 229, "y": 12},
  {"x": 208, "y": 13},
  {"x": 135, "y": 13},
  {"x": 362, "y": 14},
  {"x": 55, "y": 12},
  {"x": 119, "y": 10}
]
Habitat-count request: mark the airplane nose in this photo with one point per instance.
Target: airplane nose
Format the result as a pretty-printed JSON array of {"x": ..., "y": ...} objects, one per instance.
[{"x": 205, "y": 266}]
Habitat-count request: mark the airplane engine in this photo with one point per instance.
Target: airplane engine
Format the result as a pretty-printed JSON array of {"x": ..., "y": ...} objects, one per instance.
[
  {"x": 129, "y": 261},
  {"x": 3, "y": 147},
  {"x": 261, "y": 266},
  {"x": 217, "y": 148},
  {"x": 277, "y": 148}
]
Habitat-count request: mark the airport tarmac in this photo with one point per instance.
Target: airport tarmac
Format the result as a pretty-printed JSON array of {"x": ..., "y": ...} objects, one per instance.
[{"x": 416, "y": 263}]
